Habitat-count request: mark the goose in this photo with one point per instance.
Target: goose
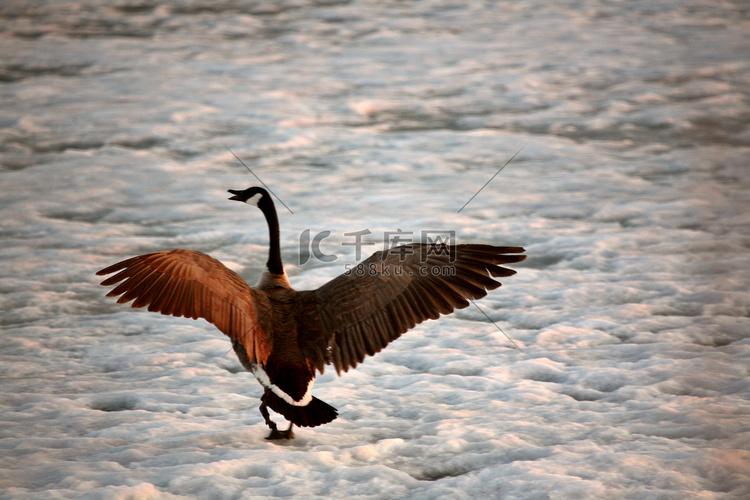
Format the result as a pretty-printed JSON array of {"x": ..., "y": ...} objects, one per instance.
[{"x": 283, "y": 336}]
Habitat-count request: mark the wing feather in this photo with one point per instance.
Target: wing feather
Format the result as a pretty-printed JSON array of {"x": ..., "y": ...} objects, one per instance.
[
  {"x": 390, "y": 292},
  {"x": 195, "y": 285}
]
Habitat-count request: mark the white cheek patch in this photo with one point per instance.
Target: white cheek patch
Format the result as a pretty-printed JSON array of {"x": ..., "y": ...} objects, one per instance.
[
  {"x": 265, "y": 381},
  {"x": 254, "y": 199}
]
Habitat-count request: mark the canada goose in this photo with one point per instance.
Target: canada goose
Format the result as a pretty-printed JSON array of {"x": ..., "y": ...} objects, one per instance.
[{"x": 281, "y": 335}]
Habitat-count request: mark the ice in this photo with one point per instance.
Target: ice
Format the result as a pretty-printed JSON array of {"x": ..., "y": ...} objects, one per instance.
[{"x": 626, "y": 371}]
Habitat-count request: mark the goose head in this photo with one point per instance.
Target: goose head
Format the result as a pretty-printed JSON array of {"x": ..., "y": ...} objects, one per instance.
[
  {"x": 259, "y": 197},
  {"x": 255, "y": 196}
]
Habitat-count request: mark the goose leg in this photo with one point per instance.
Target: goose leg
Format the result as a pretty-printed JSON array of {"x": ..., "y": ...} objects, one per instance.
[
  {"x": 264, "y": 411},
  {"x": 275, "y": 432}
]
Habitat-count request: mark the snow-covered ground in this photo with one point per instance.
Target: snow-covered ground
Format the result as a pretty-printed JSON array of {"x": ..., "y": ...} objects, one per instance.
[{"x": 631, "y": 194}]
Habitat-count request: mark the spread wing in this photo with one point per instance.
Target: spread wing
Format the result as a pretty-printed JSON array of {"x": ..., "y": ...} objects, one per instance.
[
  {"x": 372, "y": 304},
  {"x": 194, "y": 285}
]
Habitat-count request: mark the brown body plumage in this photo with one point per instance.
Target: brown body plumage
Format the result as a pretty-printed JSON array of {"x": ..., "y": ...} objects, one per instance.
[{"x": 284, "y": 336}]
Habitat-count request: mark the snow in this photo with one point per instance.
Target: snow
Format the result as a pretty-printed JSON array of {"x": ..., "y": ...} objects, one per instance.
[{"x": 630, "y": 193}]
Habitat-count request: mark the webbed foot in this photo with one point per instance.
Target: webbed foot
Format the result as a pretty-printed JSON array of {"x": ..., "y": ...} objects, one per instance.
[{"x": 277, "y": 434}]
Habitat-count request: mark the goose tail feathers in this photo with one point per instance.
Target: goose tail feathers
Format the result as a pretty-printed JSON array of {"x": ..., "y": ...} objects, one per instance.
[{"x": 315, "y": 413}]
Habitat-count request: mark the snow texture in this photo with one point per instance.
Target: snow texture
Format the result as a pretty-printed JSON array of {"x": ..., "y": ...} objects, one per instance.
[{"x": 631, "y": 194}]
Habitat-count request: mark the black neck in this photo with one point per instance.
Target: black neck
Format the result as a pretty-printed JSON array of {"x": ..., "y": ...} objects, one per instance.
[{"x": 274, "y": 249}]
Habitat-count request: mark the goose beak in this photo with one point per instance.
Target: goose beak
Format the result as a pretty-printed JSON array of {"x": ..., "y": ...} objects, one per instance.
[{"x": 236, "y": 194}]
